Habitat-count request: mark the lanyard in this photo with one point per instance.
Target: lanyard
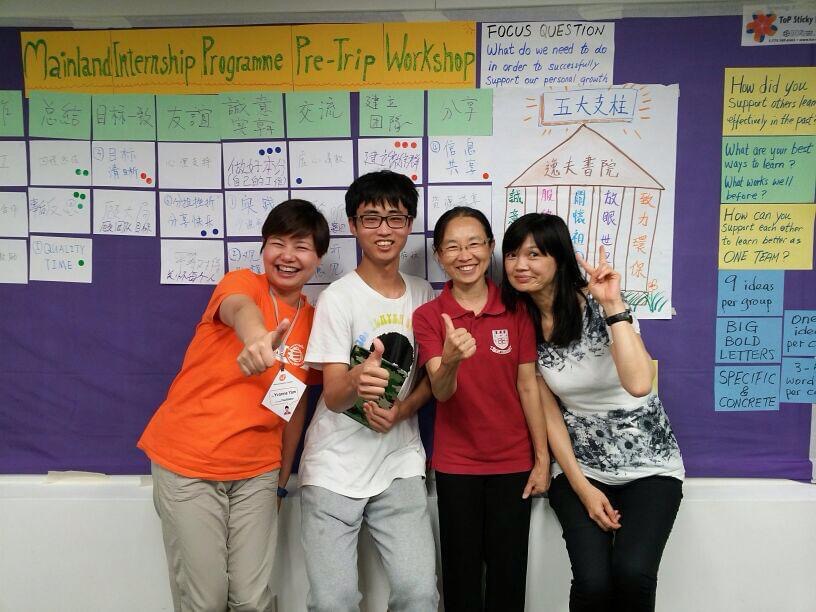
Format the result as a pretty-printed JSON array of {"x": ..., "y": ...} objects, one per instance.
[{"x": 277, "y": 322}]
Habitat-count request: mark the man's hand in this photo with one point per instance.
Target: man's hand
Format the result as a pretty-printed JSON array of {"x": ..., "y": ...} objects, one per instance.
[
  {"x": 370, "y": 379},
  {"x": 382, "y": 419},
  {"x": 258, "y": 353}
]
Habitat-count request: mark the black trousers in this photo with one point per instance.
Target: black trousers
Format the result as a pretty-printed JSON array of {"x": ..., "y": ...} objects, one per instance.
[
  {"x": 617, "y": 571},
  {"x": 483, "y": 523}
]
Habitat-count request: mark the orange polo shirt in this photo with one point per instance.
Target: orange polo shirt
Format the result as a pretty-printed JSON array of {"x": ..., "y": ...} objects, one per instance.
[{"x": 212, "y": 424}]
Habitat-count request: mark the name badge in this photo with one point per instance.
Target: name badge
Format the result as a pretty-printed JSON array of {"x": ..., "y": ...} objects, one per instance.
[{"x": 284, "y": 394}]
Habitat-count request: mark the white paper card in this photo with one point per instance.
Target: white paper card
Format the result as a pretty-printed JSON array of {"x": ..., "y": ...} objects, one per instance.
[
  {"x": 124, "y": 212},
  {"x": 247, "y": 210},
  {"x": 321, "y": 163},
  {"x": 192, "y": 262},
  {"x": 191, "y": 214},
  {"x": 60, "y": 162},
  {"x": 442, "y": 198},
  {"x": 13, "y": 262},
  {"x": 284, "y": 394},
  {"x": 435, "y": 272},
  {"x": 124, "y": 164},
  {"x": 255, "y": 165},
  {"x": 245, "y": 256},
  {"x": 189, "y": 165},
  {"x": 66, "y": 260},
  {"x": 59, "y": 211},
  {"x": 331, "y": 203},
  {"x": 403, "y": 156},
  {"x": 338, "y": 260},
  {"x": 412, "y": 258},
  {"x": 13, "y": 163},
  {"x": 13, "y": 214},
  {"x": 459, "y": 159}
]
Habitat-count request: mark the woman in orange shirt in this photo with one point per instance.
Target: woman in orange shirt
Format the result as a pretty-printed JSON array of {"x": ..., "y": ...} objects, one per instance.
[{"x": 220, "y": 459}]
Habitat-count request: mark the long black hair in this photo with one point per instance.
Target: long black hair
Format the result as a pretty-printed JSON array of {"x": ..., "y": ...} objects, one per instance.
[{"x": 551, "y": 236}]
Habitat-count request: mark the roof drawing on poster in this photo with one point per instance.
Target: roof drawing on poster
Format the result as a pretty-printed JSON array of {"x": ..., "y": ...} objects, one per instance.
[{"x": 552, "y": 168}]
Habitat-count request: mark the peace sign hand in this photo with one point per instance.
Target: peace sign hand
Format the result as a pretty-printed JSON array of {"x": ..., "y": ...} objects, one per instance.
[{"x": 604, "y": 281}]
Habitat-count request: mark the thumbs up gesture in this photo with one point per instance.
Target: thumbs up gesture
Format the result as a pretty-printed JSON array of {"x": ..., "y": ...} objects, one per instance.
[
  {"x": 459, "y": 344},
  {"x": 259, "y": 353},
  {"x": 369, "y": 378}
]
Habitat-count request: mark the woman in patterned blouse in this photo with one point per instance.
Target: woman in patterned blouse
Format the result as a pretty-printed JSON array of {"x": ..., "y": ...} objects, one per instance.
[{"x": 618, "y": 479}]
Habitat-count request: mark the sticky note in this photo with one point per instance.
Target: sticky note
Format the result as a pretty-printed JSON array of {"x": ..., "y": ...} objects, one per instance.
[
  {"x": 123, "y": 117},
  {"x": 750, "y": 292},
  {"x": 59, "y": 115},
  {"x": 392, "y": 112},
  {"x": 311, "y": 114},
  {"x": 11, "y": 112},
  {"x": 746, "y": 388},
  {"x": 460, "y": 112}
]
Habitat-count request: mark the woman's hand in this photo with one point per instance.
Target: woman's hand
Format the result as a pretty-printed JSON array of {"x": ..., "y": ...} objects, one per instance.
[
  {"x": 539, "y": 480},
  {"x": 459, "y": 344},
  {"x": 604, "y": 283},
  {"x": 599, "y": 508}
]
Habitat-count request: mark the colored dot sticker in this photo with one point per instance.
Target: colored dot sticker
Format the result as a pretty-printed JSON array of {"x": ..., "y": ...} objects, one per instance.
[
  {"x": 404, "y": 144},
  {"x": 270, "y": 150},
  {"x": 486, "y": 175},
  {"x": 215, "y": 232},
  {"x": 81, "y": 196},
  {"x": 79, "y": 206},
  {"x": 413, "y": 177},
  {"x": 261, "y": 152},
  {"x": 298, "y": 180},
  {"x": 78, "y": 171},
  {"x": 81, "y": 262},
  {"x": 413, "y": 145},
  {"x": 277, "y": 149},
  {"x": 143, "y": 175},
  {"x": 397, "y": 144},
  {"x": 203, "y": 232},
  {"x": 84, "y": 173},
  {"x": 76, "y": 194},
  {"x": 148, "y": 180}
]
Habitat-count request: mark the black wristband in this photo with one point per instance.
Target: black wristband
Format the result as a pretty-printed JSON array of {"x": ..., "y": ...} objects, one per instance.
[
  {"x": 626, "y": 315},
  {"x": 282, "y": 492}
]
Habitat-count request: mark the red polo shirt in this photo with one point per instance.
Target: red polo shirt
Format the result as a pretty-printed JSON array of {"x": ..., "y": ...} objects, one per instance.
[{"x": 481, "y": 429}]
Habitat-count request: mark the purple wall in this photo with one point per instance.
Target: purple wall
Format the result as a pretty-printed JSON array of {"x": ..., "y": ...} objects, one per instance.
[{"x": 83, "y": 367}]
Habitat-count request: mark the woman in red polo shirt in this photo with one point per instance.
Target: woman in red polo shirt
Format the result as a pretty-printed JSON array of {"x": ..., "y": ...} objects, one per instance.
[{"x": 490, "y": 439}]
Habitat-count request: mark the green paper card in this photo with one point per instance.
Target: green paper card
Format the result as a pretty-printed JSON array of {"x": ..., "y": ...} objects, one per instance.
[
  {"x": 315, "y": 114},
  {"x": 392, "y": 112},
  {"x": 11, "y": 113},
  {"x": 246, "y": 114},
  {"x": 124, "y": 117},
  {"x": 192, "y": 118},
  {"x": 768, "y": 169},
  {"x": 59, "y": 115},
  {"x": 460, "y": 112}
]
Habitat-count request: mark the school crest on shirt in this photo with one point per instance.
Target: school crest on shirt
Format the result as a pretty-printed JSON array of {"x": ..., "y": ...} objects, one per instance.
[{"x": 501, "y": 342}]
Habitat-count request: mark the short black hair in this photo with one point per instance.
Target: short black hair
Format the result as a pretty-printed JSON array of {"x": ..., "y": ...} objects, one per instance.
[
  {"x": 455, "y": 213},
  {"x": 382, "y": 187},
  {"x": 297, "y": 218}
]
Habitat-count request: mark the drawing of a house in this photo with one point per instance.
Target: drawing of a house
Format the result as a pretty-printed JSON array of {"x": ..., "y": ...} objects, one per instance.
[{"x": 604, "y": 196}]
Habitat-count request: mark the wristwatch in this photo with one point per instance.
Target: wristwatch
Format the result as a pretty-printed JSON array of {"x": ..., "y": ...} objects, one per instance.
[
  {"x": 626, "y": 315},
  {"x": 282, "y": 492}
]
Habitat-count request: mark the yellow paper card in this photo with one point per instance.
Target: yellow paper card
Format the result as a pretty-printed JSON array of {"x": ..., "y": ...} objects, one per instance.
[
  {"x": 66, "y": 61},
  {"x": 769, "y": 101},
  {"x": 430, "y": 55},
  {"x": 766, "y": 237},
  {"x": 337, "y": 56}
]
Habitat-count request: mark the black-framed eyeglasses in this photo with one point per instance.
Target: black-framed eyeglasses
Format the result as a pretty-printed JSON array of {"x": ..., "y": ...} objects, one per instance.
[{"x": 375, "y": 221}]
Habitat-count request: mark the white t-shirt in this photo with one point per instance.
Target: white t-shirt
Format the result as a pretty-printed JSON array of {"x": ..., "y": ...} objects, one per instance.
[
  {"x": 340, "y": 454},
  {"x": 617, "y": 437}
]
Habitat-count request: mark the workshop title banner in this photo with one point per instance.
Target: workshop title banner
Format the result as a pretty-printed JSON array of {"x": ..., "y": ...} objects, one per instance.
[{"x": 207, "y": 60}]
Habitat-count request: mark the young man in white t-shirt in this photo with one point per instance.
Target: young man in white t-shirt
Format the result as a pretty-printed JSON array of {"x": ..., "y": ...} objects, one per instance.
[{"x": 350, "y": 473}]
